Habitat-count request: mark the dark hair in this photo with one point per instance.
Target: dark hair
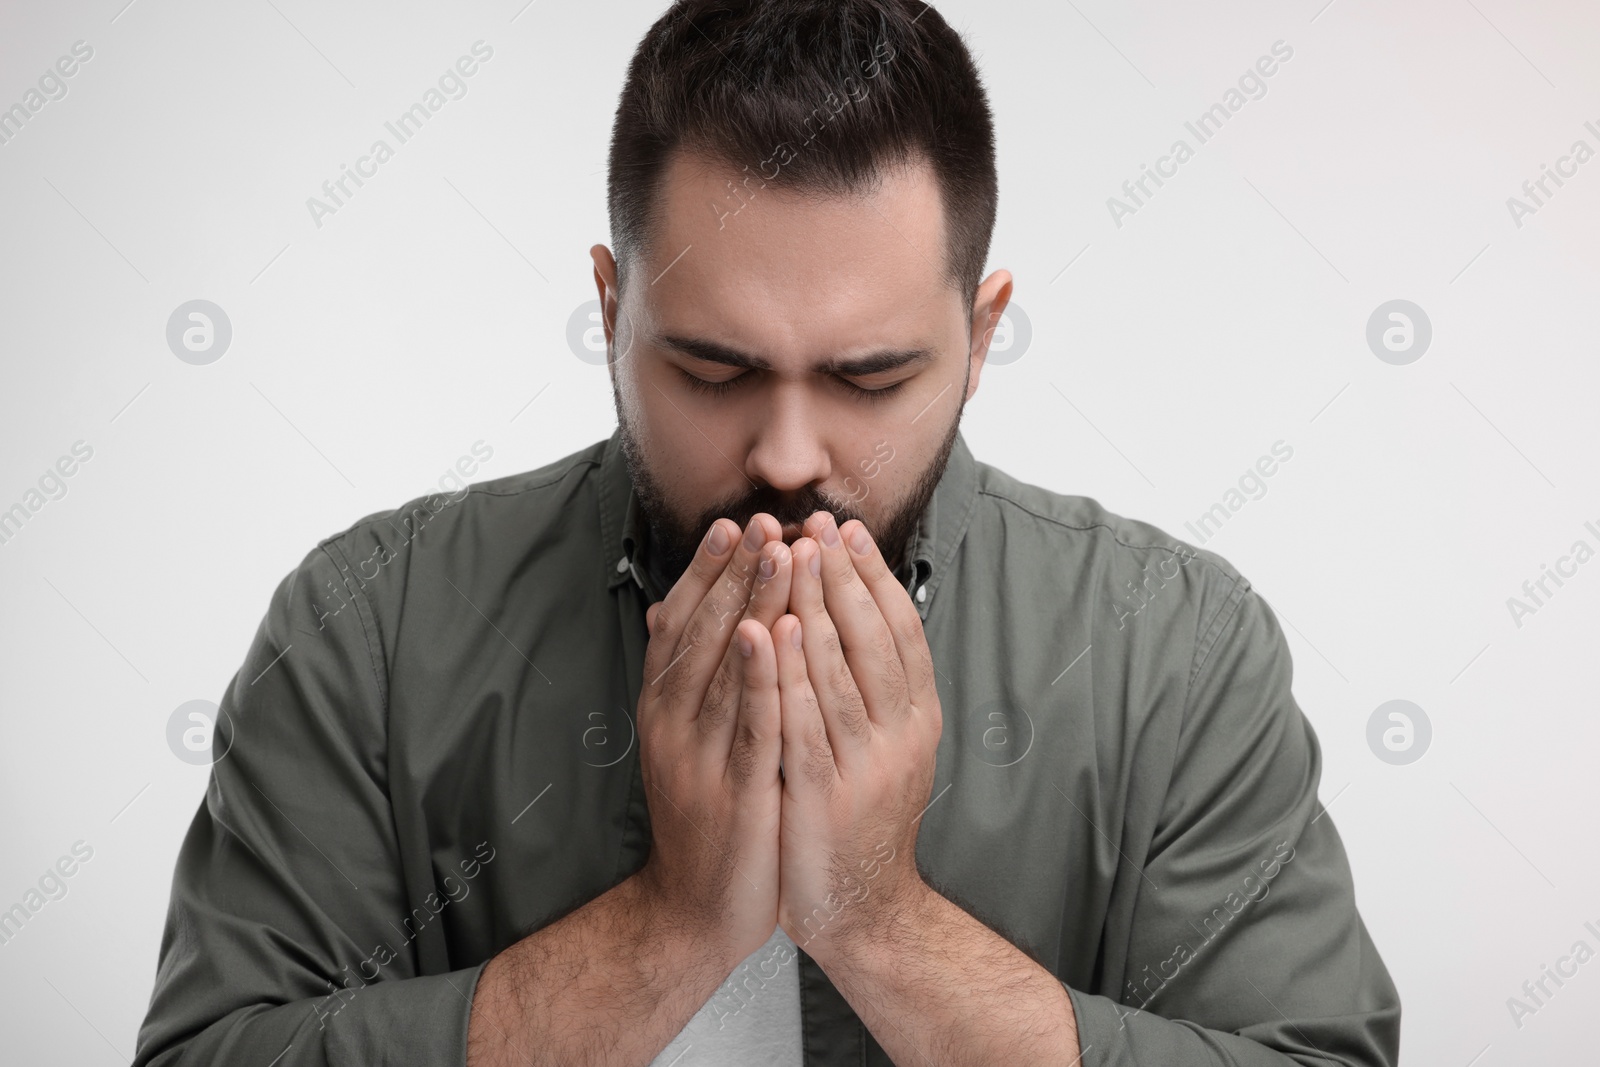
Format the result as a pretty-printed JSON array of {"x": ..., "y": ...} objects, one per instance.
[{"x": 817, "y": 96}]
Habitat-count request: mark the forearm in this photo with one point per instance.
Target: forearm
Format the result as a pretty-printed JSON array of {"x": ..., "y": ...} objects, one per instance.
[
  {"x": 607, "y": 984},
  {"x": 936, "y": 986}
]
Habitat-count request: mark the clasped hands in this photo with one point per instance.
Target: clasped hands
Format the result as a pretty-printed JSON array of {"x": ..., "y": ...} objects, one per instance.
[{"x": 813, "y": 656}]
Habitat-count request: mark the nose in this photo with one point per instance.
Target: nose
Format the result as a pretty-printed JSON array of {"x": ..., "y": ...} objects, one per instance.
[{"x": 790, "y": 451}]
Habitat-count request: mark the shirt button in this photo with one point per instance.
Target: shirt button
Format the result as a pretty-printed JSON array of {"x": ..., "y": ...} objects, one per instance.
[
  {"x": 922, "y": 593},
  {"x": 622, "y": 564}
]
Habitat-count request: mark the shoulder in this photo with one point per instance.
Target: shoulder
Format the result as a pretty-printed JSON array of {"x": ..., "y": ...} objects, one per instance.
[
  {"x": 1083, "y": 528},
  {"x": 481, "y": 540},
  {"x": 519, "y": 507},
  {"x": 1130, "y": 570}
]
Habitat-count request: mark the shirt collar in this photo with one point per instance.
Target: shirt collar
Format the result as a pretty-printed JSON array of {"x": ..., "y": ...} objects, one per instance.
[{"x": 939, "y": 531}]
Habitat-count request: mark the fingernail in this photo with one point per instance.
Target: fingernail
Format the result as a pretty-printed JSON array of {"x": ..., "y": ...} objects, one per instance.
[
  {"x": 860, "y": 541},
  {"x": 745, "y": 647},
  {"x": 752, "y": 535},
  {"x": 830, "y": 533},
  {"x": 768, "y": 569},
  {"x": 816, "y": 561},
  {"x": 794, "y": 638},
  {"x": 717, "y": 540}
]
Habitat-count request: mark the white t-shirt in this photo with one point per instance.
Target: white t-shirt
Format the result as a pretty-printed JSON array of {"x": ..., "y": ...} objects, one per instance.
[{"x": 752, "y": 1020}]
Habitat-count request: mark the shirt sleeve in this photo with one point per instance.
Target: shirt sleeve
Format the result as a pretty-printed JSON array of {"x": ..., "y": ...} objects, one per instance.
[
  {"x": 1244, "y": 946},
  {"x": 286, "y": 933}
]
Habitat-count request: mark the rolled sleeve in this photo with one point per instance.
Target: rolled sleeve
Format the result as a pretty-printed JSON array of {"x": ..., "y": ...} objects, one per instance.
[
  {"x": 286, "y": 938},
  {"x": 1245, "y": 945}
]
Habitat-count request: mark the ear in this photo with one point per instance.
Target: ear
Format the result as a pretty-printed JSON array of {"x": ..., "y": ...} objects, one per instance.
[
  {"x": 605, "y": 283},
  {"x": 611, "y": 313},
  {"x": 988, "y": 304}
]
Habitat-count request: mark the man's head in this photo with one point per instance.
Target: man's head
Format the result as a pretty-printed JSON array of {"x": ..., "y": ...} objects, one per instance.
[{"x": 802, "y": 194}]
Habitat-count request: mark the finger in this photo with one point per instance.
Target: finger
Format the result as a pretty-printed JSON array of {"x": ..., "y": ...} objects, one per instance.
[
  {"x": 672, "y": 613},
  {"x": 705, "y": 635},
  {"x": 808, "y": 759},
  {"x": 757, "y": 742},
  {"x": 769, "y": 599},
  {"x": 843, "y": 711},
  {"x": 899, "y": 614},
  {"x": 869, "y": 647}
]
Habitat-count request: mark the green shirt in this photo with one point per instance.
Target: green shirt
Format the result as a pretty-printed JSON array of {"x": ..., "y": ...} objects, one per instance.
[{"x": 429, "y": 753}]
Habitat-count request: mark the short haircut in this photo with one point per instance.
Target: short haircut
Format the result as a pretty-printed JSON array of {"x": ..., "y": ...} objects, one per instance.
[{"x": 819, "y": 97}]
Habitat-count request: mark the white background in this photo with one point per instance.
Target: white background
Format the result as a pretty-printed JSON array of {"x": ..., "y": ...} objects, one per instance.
[{"x": 1229, "y": 312}]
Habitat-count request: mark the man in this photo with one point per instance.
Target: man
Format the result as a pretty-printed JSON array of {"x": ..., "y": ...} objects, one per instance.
[{"x": 776, "y": 728}]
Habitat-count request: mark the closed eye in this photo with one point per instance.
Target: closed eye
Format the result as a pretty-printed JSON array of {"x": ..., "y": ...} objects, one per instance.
[{"x": 870, "y": 396}]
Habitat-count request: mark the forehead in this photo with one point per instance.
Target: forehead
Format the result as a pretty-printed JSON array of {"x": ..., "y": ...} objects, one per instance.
[{"x": 797, "y": 275}]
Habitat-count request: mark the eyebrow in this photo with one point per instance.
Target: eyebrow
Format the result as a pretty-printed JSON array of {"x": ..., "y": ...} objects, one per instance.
[{"x": 871, "y": 363}]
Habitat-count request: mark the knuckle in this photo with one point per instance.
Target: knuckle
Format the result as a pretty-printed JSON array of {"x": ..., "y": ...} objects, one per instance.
[
  {"x": 883, "y": 646},
  {"x": 737, "y": 578},
  {"x": 714, "y": 708},
  {"x": 853, "y": 717},
  {"x": 899, "y": 692},
  {"x": 819, "y": 767},
  {"x": 910, "y": 631},
  {"x": 839, "y": 679},
  {"x": 816, "y": 738},
  {"x": 699, "y": 627},
  {"x": 751, "y": 710},
  {"x": 741, "y": 763},
  {"x": 721, "y": 604},
  {"x": 674, "y": 684},
  {"x": 703, "y": 567},
  {"x": 747, "y": 744},
  {"x": 666, "y": 619}
]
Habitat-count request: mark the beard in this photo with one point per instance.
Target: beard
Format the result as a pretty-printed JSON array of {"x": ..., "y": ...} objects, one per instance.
[{"x": 674, "y": 541}]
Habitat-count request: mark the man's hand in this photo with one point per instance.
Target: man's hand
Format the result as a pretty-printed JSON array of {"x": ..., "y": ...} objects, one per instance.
[
  {"x": 710, "y": 740},
  {"x": 861, "y": 722}
]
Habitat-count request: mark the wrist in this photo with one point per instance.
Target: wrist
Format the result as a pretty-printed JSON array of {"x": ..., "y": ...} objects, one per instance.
[
  {"x": 881, "y": 935},
  {"x": 657, "y": 920}
]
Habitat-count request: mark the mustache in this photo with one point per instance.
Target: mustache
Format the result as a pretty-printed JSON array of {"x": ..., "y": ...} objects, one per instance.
[{"x": 791, "y": 509}]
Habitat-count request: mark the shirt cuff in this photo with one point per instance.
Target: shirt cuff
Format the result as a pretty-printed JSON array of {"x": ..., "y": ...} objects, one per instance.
[
  {"x": 1112, "y": 1034},
  {"x": 419, "y": 1020}
]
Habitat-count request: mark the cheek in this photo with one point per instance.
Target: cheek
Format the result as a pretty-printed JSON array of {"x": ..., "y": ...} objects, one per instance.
[
  {"x": 665, "y": 431},
  {"x": 693, "y": 463},
  {"x": 873, "y": 480}
]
